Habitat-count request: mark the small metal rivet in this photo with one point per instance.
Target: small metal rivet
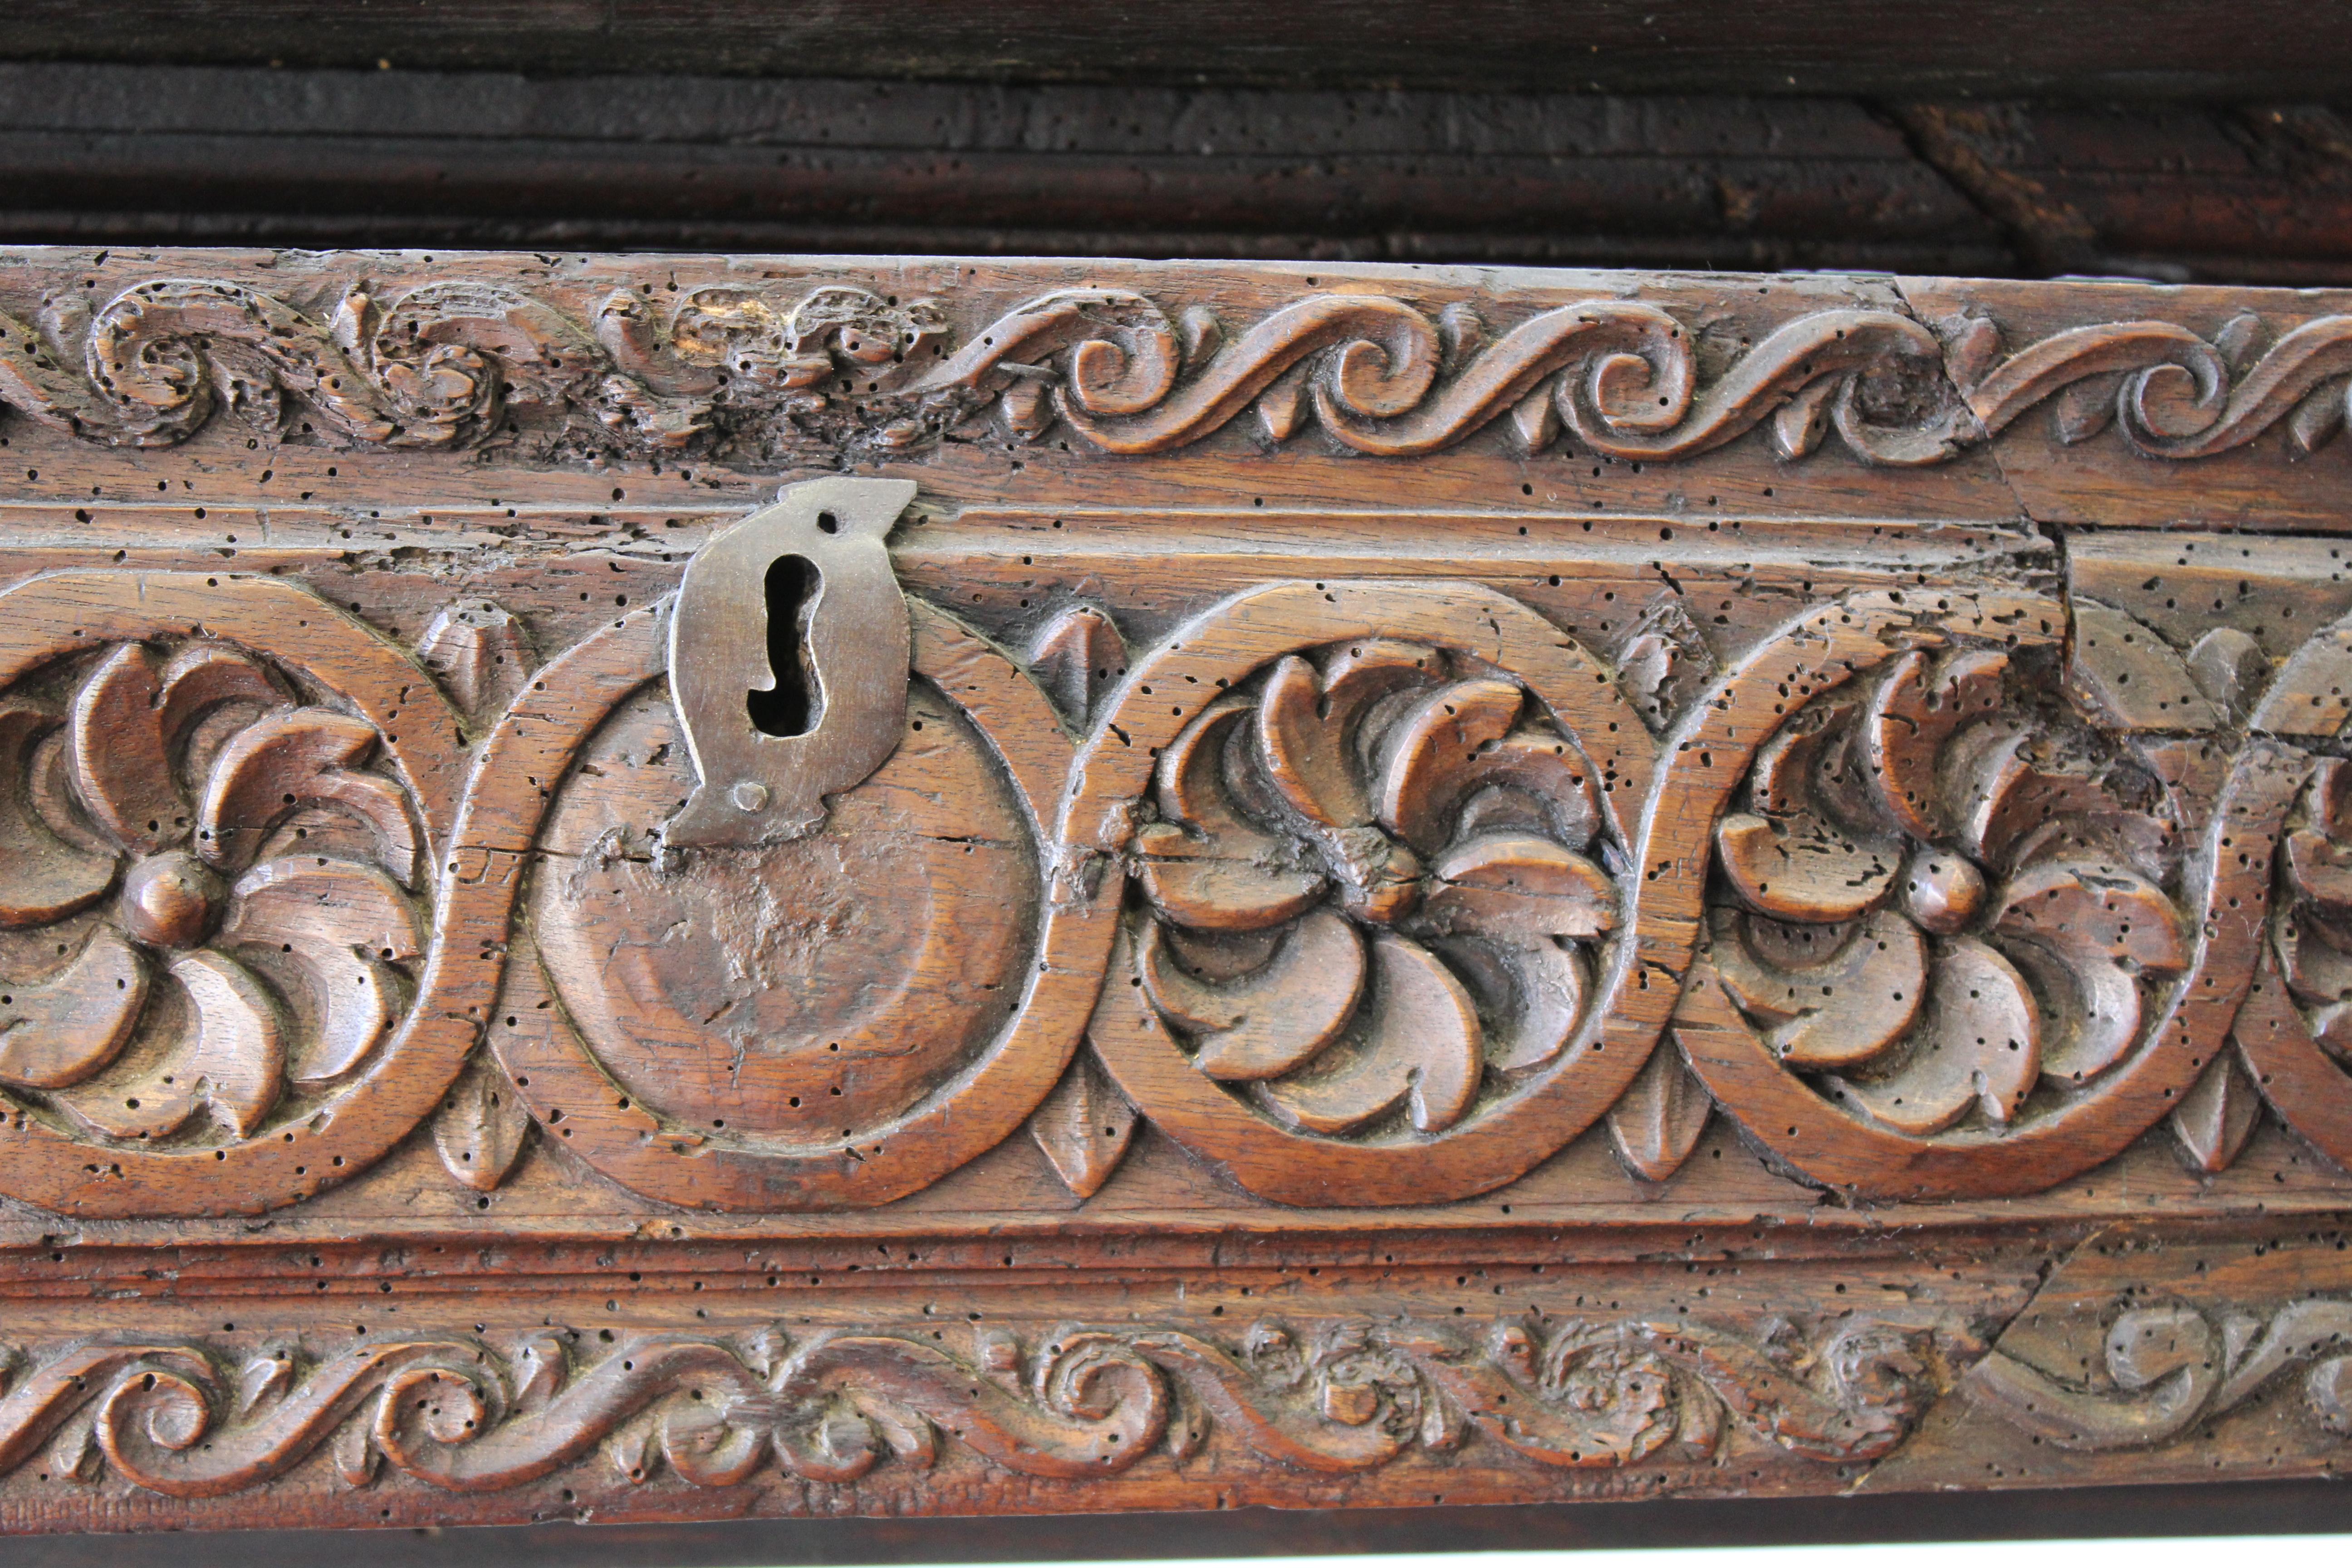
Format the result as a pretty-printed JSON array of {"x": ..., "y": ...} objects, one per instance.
[{"x": 749, "y": 797}]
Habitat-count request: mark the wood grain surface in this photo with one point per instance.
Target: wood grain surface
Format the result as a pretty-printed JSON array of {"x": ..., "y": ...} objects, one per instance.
[
  {"x": 2072, "y": 47},
  {"x": 1477, "y": 886}
]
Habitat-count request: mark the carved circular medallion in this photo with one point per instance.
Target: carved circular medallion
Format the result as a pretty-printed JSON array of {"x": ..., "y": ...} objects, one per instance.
[
  {"x": 215, "y": 895},
  {"x": 837, "y": 1019},
  {"x": 806, "y": 987},
  {"x": 1372, "y": 837},
  {"x": 1957, "y": 939}
]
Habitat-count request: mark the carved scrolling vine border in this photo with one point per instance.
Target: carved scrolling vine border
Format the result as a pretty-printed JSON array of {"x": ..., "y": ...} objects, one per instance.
[
  {"x": 1080, "y": 1403},
  {"x": 744, "y": 371}
]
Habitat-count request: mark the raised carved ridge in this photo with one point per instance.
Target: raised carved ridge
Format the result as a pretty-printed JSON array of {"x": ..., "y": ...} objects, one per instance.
[{"x": 746, "y": 369}]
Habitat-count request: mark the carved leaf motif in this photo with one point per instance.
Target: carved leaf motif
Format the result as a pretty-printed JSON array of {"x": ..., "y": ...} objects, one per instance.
[
  {"x": 1534, "y": 994},
  {"x": 1284, "y": 407},
  {"x": 60, "y": 1030},
  {"x": 1200, "y": 335},
  {"x": 354, "y": 1455},
  {"x": 1267, "y": 1021},
  {"x": 2129, "y": 678},
  {"x": 540, "y": 1368},
  {"x": 1077, "y": 656},
  {"x": 1419, "y": 1043},
  {"x": 1433, "y": 753},
  {"x": 1799, "y": 424},
  {"x": 121, "y": 765},
  {"x": 341, "y": 924},
  {"x": 264, "y": 1378},
  {"x": 2218, "y": 1114},
  {"x": 481, "y": 1128},
  {"x": 43, "y": 876},
  {"x": 231, "y": 1060},
  {"x": 1829, "y": 1002},
  {"x": 633, "y": 1448},
  {"x": 1027, "y": 408},
  {"x": 127, "y": 717},
  {"x": 2106, "y": 926},
  {"x": 2014, "y": 787},
  {"x": 1658, "y": 1122},
  {"x": 311, "y": 755},
  {"x": 1307, "y": 724},
  {"x": 1914, "y": 712},
  {"x": 1534, "y": 422},
  {"x": 76, "y": 1452},
  {"x": 1981, "y": 1044},
  {"x": 481, "y": 654},
  {"x": 1666, "y": 662},
  {"x": 1083, "y": 1127},
  {"x": 1799, "y": 867},
  {"x": 1972, "y": 348},
  {"x": 1522, "y": 886},
  {"x": 2319, "y": 417},
  {"x": 1226, "y": 876},
  {"x": 2231, "y": 669}
]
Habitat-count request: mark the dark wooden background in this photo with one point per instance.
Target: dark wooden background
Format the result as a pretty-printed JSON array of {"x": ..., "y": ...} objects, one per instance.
[{"x": 2175, "y": 140}]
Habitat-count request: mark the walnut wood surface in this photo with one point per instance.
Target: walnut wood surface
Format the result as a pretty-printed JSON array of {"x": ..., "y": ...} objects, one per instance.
[{"x": 1488, "y": 887}]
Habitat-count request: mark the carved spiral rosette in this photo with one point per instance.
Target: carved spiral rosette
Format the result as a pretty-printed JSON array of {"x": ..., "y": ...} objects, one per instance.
[
  {"x": 1377, "y": 911},
  {"x": 1943, "y": 898},
  {"x": 833, "y": 1020},
  {"x": 1964, "y": 932},
  {"x": 214, "y": 905}
]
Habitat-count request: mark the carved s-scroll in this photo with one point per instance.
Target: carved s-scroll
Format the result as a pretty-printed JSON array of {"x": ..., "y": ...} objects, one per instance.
[
  {"x": 2169, "y": 1368},
  {"x": 1622, "y": 375}
]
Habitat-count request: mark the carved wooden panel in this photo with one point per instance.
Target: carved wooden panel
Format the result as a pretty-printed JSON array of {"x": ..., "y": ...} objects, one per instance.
[{"x": 686, "y": 886}]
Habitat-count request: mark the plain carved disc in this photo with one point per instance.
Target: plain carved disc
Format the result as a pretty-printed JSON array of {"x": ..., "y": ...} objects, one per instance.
[{"x": 805, "y": 989}]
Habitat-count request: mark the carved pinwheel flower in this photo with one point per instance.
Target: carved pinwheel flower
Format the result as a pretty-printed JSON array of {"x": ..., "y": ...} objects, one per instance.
[
  {"x": 2315, "y": 927},
  {"x": 202, "y": 891},
  {"x": 1945, "y": 895},
  {"x": 1370, "y": 886}
]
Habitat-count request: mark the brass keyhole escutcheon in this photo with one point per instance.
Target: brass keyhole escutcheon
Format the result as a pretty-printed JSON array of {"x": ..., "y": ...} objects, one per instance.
[{"x": 789, "y": 649}]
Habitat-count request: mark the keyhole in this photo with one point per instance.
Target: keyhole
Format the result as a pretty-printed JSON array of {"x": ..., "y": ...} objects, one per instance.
[{"x": 792, "y": 591}]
